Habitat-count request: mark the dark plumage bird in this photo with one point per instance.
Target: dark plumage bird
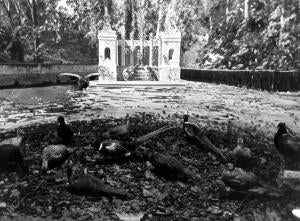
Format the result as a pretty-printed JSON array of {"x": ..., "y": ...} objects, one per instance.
[
  {"x": 286, "y": 145},
  {"x": 11, "y": 154},
  {"x": 120, "y": 130},
  {"x": 85, "y": 184},
  {"x": 242, "y": 155},
  {"x": 54, "y": 156},
  {"x": 122, "y": 148},
  {"x": 82, "y": 82},
  {"x": 169, "y": 166},
  {"x": 192, "y": 131},
  {"x": 64, "y": 131}
]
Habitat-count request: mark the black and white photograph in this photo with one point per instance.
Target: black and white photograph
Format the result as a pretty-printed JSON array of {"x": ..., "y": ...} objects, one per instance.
[{"x": 141, "y": 110}]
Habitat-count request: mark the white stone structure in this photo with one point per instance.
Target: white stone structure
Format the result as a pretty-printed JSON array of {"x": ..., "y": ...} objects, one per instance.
[{"x": 162, "y": 54}]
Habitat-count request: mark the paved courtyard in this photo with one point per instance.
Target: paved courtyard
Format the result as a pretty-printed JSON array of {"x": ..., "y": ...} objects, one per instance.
[{"x": 211, "y": 104}]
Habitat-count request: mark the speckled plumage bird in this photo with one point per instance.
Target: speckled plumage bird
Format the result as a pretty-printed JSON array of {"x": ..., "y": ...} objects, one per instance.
[
  {"x": 286, "y": 145},
  {"x": 54, "y": 156},
  {"x": 82, "y": 82},
  {"x": 85, "y": 184},
  {"x": 169, "y": 166},
  {"x": 193, "y": 132},
  {"x": 64, "y": 131},
  {"x": 16, "y": 141}
]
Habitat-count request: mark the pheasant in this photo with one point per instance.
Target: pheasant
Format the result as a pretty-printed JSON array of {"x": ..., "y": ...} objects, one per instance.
[
  {"x": 247, "y": 182},
  {"x": 54, "y": 156},
  {"x": 169, "y": 166},
  {"x": 242, "y": 155},
  {"x": 10, "y": 153},
  {"x": 192, "y": 131},
  {"x": 85, "y": 184},
  {"x": 286, "y": 145},
  {"x": 120, "y": 130},
  {"x": 16, "y": 141},
  {"x": 120, "y": 148},
  {"x": 64, "y": 131},
  {"x": 82, "y": 82}
]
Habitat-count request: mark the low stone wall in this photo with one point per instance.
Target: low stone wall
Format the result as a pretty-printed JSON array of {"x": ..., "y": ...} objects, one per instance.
[
  {"x": 262, "y": 80},
  {"x": 14, "y": 75}
]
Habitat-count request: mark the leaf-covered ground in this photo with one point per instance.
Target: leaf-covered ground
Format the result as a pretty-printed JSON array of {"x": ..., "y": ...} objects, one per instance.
[{"x": 35, "y": 196}]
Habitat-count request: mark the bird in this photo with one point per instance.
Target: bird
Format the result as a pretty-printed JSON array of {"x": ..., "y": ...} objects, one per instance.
[
  {"x": 242, "y": 155},
  {"x": 16, "y": 141},
  {"x": 123, "y": 148},
  {"x": 193, "y": 132},
  {"x": 244, "y": 182},
  {"x": 86, "y": 184},
  {"x": 239, "y": 179},
  {"x": 120, "y": 130},
  {"x": 11, "y": 154},
  {"x": 82, "y": 82},
  {"x": 169, "y": 166},
  {"x": 64, "y": 131},
  {"x": 54, "y": 156},
  {"x": 286, "y": 145}
]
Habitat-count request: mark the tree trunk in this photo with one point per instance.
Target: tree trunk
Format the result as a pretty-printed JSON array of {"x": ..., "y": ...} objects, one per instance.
[
  {"x": 282, "y": 22},
  {"x": 6, "y": 8},
  {"x": 17, "y": 7},
  {"x": 35, "y": 24},
  {"x": 227, "y": 11}
]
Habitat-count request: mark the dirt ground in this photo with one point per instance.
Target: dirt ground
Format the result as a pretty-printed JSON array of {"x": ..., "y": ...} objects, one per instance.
[{"x": 252, "y": 115}]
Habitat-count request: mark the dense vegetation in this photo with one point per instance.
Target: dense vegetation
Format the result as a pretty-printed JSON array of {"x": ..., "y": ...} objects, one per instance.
[{"x": 224, "y": 34}]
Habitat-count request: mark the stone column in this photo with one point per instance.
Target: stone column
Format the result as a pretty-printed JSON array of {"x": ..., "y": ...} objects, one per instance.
[
  {"x": 151, "y": 50},
  {"x": 123, "y": 52},
  {"x": 141, "y": 47},
  {"x": 131, "y": 50}
]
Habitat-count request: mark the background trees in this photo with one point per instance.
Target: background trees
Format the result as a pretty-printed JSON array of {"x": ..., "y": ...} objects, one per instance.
[{"x": 229, "y": 34}]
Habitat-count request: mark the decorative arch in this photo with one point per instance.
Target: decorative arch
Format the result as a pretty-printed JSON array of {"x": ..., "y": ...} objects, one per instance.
[{"x": 107, "y": 53}]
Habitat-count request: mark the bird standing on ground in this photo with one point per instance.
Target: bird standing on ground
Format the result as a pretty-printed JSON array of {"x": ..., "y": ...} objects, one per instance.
[
  {"x": 16, "y": 141},
  {"x": 85, "y": 184},
  {"x": 192, "y": 131},
  {"x": 82, "y": 82},
  {"x": 169, "y": 166},
  {"x": 120, "y": 130},
  {"x": 242, "y": 155},
  {"x": 54, "y": 156},
  {"x": 64, "y": 131},
  {"x": 10, "y": 153},
  {"x": 119, "y": 148},
  {"x": 286, "y": 145}
]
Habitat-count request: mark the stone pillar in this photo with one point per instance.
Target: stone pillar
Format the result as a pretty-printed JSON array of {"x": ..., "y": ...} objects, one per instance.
[
  {"x": 131, "y": 50},
  {"x": 151, "y": 50},
  {"x": 169, "y": 69},
  {"x": 141, "y": 47},
  {"x": 108, "y": 47},
  {"x": 123, "y": 52},
  {"x": 107, "y": 65}
]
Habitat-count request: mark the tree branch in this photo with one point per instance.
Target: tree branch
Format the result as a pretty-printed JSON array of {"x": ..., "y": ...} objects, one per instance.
[{"x": 12, "y": 26}]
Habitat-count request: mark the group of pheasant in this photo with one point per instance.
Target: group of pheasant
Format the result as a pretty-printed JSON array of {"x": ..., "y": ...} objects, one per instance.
[{"x": 55, "y": 156}]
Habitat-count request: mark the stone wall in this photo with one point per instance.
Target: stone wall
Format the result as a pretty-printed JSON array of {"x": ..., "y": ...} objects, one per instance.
[
  {"x": 260, "y": 79},
  {"x": 39, "y": 74}
]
